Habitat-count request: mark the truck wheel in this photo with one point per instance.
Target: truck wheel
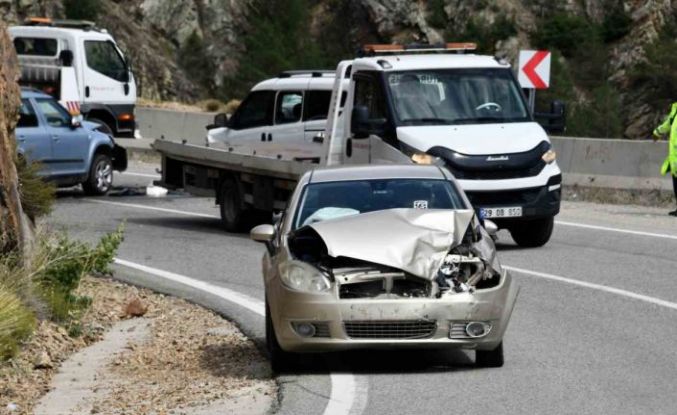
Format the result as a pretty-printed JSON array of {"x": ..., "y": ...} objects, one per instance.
[
  {"x": 280, "y": 361},
  {"x": 103, "y": 127},
  {"x": 490, "y": 358},
  {"x": 533, "y": 233},
  {"x": 233, "y": 216},
  {"x": 100, "y": 178}
]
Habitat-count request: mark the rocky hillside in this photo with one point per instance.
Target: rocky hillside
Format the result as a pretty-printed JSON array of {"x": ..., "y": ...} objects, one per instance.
[{"x": 614, "y": 66}]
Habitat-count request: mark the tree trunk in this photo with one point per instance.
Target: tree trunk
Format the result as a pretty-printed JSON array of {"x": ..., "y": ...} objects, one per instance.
[{"x": 15, "y": 229}]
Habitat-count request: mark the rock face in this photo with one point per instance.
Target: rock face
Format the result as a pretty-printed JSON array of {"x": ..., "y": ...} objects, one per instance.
[
  {"x": 14, "y": 228},
  {"x": 155, "y": 33}
]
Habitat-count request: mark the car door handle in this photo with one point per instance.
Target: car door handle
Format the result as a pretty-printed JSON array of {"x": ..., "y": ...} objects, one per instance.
[
  {"x": 319, "y": 138},
  {"x": 263, "y": 136},
  {"x": 270, "y": 137}
]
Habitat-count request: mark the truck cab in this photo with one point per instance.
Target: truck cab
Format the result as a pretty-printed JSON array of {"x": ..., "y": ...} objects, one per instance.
[
  {"x": 82, "y": 67},
  {"x": 461, "y": 111}
]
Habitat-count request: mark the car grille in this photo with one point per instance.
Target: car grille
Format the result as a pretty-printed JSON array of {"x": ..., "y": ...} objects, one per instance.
[
  {"x": 321, "y": 329},
  {"x": 498, "y": 174},
  {"x": 510, "y": 197},
  {"x": 390, "y": 329}
]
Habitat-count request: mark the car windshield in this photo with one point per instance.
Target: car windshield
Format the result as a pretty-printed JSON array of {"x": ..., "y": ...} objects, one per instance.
[
  {"x": 456, "y": 96},
  {"x": 323, "y": 201}
]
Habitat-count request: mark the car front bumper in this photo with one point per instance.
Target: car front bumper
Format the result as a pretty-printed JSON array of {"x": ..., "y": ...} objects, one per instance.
[{"x": 333, "y": 316}]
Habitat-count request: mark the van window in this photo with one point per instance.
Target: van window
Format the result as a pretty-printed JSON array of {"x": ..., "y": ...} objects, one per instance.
[
  {"x": 289, "y": 107},
  {"x": 27, "y": 117},
  {"x": 103, "y": 57},
  {"x": 35, "y": 46},
  {"x": 255, "y": 111},
  {"x": 317, "y": 105}
]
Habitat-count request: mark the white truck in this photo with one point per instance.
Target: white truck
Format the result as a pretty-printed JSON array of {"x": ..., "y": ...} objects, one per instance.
[
  {"x": 82, "y": 67},
  {"x": 396, "y": 104}
]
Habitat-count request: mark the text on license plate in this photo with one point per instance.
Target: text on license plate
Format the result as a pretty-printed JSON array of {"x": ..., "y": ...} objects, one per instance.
[{"x": 504, "y": 212}]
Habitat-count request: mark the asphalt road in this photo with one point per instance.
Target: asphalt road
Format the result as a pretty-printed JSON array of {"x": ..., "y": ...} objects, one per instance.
[{"x": 593, "y": 331}]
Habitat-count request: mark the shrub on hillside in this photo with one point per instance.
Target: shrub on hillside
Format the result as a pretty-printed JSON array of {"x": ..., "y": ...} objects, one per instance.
[
  {"x": 565, "y": 32},
  {"x": 82, "y": 9},
  {"x": 16, "y": 322}
]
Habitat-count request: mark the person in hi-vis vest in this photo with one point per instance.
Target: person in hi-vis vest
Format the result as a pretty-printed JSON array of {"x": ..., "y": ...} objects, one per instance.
[{"x": 669, "y": 126}]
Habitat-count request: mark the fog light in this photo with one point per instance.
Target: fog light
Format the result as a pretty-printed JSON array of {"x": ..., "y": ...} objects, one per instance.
[
  {"x": 304, "y": 329},
  {"x": 476, "y": 329}
]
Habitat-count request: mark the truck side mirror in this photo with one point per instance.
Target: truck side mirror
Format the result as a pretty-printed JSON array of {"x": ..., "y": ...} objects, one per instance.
[
  {"x": 220, "y": 121},
  {"x": 66, "y": 58},
  {"x": 361, "y": 126}
]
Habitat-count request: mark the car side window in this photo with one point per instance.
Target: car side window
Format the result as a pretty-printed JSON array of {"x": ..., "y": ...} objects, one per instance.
[
  {"x": 103, "y": 57},
  {"x": 317, "y": 105},
  {"x": 368, "y": 93},
  {"x": 27, "y": 117},
  {"x": 255, "y": 111},
  {"x": 54, "y": 113},
  {"x": 289, "y": 107}
]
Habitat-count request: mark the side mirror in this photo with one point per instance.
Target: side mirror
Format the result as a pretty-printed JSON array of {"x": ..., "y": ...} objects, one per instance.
[
  {"x": 66, "y": 58},
  {"x": 76, "y": 122},
  {"x": 220, "y": 121},
  {"x": 491, "y": 227},
  {"x": 361, "y": 126},
  {"x": 263, "y": 233}
]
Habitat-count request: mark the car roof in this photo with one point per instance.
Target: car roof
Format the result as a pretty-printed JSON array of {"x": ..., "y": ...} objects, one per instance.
[
  {"x": 373, "y": 172},
  {"x": 33, "y": 93}
]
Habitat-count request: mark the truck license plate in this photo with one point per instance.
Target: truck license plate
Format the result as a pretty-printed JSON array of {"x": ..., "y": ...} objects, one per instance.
[{"x": 504, "y": 212}]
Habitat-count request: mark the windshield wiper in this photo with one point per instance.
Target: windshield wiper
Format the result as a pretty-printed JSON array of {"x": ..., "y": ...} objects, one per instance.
[{"x": 428, "y": 120}]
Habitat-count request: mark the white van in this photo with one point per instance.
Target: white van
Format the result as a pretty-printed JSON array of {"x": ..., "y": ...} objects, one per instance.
[{"x": 82, "y": 67}]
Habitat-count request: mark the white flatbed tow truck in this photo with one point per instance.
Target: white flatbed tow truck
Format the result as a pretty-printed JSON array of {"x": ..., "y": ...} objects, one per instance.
[{"x": 396, "y": 104}]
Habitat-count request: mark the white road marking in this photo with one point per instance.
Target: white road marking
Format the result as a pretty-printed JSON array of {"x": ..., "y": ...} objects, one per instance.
[
  {"x": 152, "y": 176},
  {"x": 619, "y": 230},
  {"x": 598, "y": 287},
  {"x": 135, "y": 206},
  {"x": 345, "y": 397}
]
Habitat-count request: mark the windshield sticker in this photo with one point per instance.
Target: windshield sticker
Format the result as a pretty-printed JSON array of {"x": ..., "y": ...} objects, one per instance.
[{"x": 420, "y": 204}]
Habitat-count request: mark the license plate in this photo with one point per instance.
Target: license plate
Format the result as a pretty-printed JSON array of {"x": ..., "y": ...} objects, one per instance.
[{"x": 503, "y": 212}]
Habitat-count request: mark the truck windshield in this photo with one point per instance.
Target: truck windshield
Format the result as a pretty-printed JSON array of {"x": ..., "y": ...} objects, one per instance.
[
  {"x": 456, "y": 96},
  {"x": 324, "y": 201}
]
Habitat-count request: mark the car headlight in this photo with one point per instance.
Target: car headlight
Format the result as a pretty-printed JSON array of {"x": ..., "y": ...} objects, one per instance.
[
  {"x": 302, "y": 277},
  {"x": 549, "y": 156}
]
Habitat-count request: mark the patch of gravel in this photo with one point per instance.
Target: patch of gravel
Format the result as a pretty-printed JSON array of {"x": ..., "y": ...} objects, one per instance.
[
  {"x": 193, "y": 361},
  {"x": 654, "y": 198}
]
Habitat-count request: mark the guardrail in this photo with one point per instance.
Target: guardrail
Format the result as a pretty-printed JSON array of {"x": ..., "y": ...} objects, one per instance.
[{"x": 589, "y": 162}]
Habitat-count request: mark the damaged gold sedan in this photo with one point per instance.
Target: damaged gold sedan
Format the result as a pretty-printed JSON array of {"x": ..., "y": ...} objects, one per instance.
[{"x": 382, "y": 257}]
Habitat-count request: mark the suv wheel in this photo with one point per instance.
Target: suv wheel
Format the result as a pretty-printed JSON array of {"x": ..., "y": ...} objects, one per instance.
[
  {"x": 100, "y": 178},
  {"x": 490, "y": 358},
  {"x": 533, "y": 233}
]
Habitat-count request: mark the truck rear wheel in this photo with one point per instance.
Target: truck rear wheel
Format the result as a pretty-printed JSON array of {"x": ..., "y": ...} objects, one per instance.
[
  {"x": 533, "y": 233},
  {"x": 234, "y": 216}
]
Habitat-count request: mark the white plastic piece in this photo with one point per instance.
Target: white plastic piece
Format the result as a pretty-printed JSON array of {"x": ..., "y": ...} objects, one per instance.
[{"x": 156, "y": 191}]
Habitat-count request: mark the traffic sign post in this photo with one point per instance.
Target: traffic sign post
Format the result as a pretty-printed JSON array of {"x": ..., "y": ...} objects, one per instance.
[{"x": 534, "y": 72}]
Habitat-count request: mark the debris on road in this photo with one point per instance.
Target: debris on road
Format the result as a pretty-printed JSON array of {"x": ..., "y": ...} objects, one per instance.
[{"x": 192, "y": 361}]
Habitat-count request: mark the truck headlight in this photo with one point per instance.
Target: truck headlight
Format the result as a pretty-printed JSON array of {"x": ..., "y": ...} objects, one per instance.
[
  {"x": 549, "y": 156},
  {"x": 423, "y": 158},
  {"x": 302, "y": 277}
]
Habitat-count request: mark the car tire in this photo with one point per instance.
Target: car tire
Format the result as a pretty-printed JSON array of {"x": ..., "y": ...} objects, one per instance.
[
  {"x": 533, "y": 233},
  {"x": 280, "y": 361},
  {"x": 100, "y": 178},
  {"x": 490, "y": 358},
  {"x": 103, "y": 127},
  {"x": 234, "y": 217}
]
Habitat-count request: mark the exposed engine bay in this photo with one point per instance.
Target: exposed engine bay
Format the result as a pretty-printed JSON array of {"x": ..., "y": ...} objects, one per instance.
[{"x": 406, "y": 254}]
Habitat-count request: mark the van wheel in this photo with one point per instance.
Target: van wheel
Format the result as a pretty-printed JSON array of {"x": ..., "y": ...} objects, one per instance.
[
  {"x": 234, "y": 217},
  {"x": 490, "y": 358},
  {"x": 280, "y": 361},
  {"x": 103, "y": 127},
  {"x": 533, "y": 233},
  {"x": 100, "y": 178}
]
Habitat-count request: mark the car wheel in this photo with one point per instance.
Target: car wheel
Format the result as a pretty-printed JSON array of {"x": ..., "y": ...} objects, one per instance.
[
  {"x": 103, "y": 127},
  {"x": 533, "y": 233},
  {"x": 490, "y": 358},
  {"x": 280, "y": 361},
  {"x": 100, "y": 178},
  {"x": 233, "y": 216}
]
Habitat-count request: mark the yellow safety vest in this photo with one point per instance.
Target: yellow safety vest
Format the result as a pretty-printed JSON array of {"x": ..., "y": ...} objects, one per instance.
[{"x": 669, "y": 126}]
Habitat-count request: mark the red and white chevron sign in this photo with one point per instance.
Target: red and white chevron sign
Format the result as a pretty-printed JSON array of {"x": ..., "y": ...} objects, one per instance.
[{"x": 534, "y": 69}]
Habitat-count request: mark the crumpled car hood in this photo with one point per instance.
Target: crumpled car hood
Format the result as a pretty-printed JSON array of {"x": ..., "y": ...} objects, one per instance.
[{"x": 412, "y": 240}]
